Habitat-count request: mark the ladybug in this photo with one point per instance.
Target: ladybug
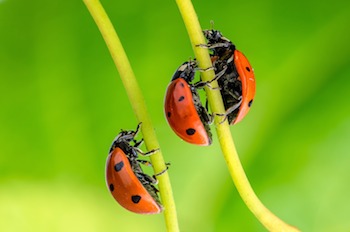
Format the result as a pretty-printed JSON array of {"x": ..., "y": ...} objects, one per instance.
[
  {"x": 237, "y": 84},
  {"x": 183, "y": 108},
  {"x": 128, "y": 184}
]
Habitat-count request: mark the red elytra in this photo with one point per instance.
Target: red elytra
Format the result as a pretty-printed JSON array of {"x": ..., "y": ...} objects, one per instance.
[
  {"x": 128, "y": 184},
  {"x": 246, "y": 76},
  {"x": 182, "y": 115},
  {"x": 126, "y": 188}
]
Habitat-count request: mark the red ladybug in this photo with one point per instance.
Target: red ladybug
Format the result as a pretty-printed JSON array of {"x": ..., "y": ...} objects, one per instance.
[
  {"x": 183, "y": 108},
  {"x": 130, "y": 187},
  {"x": 237, "y": 84}
]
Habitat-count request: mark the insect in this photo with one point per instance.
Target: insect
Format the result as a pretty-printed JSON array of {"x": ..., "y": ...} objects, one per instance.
[
  {"x": 128, "y": 184},
  {"x": 183, "y": 108},
  {"x": 237, "y": 84}
]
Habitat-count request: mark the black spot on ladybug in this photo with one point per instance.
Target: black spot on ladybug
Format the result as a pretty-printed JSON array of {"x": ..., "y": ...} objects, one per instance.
[
  {"x": 190, "y": 131},
  {"x": 136, "y": 199},
  {"x": 250, "y": 103},
  {"x": 248, "y": 69},
  {"x": 119, "y": 166},
  {"x": 111, "y": 187},
  {"x": 169, "y": 114},
  {"x": 182, "y": 85},
  {"x": 181, "y": 98}
]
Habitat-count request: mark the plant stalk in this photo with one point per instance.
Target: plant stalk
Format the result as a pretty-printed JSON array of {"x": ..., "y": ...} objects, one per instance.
[
  {"x": 139, "y": 106},
  {"x": 263, "y": 214}
]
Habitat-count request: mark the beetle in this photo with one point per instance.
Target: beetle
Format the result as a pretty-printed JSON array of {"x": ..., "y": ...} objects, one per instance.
[
  {"x": 125, "y": 179},
  {"x": 237, "y": 84},
  {"x": 183, "y": 108}
]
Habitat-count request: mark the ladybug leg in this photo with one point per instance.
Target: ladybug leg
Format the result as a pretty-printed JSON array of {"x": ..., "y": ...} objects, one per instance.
[
  {"x": 215, "y": 45},
  {"x": 206, "y": 117},
  {"x": 234, "y": 107},
  {"x": 210, "y": 119},
  {"x": 221, "y": 115},
  {"x": 202, "y": 111},
  {"x": 138, "y": 127},
  {"x": 148, "y": 153},
  {"x": 129, "y": 136},
  {"x": 134, "y": 133},
  {"x": 138, "y": 143},
  {"x": 162, "y": 172},
  {"x": 146, "y": 179},
  {"x": 153, "y": 188},
  {"x": 145, "y": 162},
  {"x": 219, "y": 74},
  {"x": 210, "y": 116},
  {"x": 204, "y": 69},
  {"x": 201, "y": 84},
  {"x": 219, "y": 45},
  {"x": 229, "y": 111}
]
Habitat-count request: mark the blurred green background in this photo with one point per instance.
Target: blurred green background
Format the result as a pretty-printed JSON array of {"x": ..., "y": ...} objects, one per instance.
[{"x": 62, "y": 103}]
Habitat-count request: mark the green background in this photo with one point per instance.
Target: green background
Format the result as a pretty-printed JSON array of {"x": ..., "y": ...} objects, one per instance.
[{"x": 62, "y": 103}]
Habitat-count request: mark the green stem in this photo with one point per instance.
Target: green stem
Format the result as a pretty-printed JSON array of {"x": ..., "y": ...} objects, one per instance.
[
  {"x": 139, "y": 106},
  {"x": 264, "y": 215}
]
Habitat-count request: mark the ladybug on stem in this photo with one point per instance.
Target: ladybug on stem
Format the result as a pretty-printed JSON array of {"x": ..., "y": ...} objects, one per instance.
[
  {"x": 129, "y": 185},
  {"x": 237, "y": 84},
  {"x": 183, "y": 108}
]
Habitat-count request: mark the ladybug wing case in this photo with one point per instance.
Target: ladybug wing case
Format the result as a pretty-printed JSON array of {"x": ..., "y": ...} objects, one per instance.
[
  {"x": 126, "y": 188},
  {"x": 182, "y": 114},
  {"x": 246, "y": 76}
]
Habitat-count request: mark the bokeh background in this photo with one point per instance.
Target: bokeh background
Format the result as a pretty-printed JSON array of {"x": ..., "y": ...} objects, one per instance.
[{"x": 62, "y": 103}]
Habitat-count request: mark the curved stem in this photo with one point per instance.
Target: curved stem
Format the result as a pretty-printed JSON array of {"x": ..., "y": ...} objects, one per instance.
[
  {"x": 139, "y": 106},
  {"x": 264, "y": 215}
]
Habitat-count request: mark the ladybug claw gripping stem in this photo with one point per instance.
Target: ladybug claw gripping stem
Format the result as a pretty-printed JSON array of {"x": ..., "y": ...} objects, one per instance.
[
  {"x": 162, "y": 172},
  {"x": 228, "y": 111},
  {"x": 202, "y": 45},
  {"x": 138, "y": 127},
  {"x": 201, "y": 84},
  {"x": 148, "y": 153},
  {"x": 221, "y": 115},
  {"x": 205, "y": 69},
  {"x": 138, "y": 143}
]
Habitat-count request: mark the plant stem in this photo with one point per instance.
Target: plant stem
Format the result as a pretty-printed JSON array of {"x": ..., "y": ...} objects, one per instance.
[
  {"x": 139, "y": 106},
  {"x": 264, "y": 215}
]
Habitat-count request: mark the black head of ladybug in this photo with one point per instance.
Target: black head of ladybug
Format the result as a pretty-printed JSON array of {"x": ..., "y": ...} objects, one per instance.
[
  {"x": 186, "y": 71},
  {"x": 220, "y": 45}
]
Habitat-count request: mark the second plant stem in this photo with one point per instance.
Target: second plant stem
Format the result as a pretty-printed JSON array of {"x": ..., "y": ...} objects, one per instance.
[{"x": 264, "y": 215}]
